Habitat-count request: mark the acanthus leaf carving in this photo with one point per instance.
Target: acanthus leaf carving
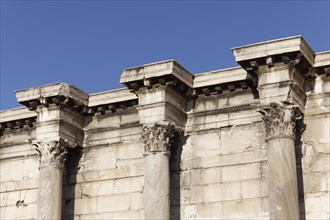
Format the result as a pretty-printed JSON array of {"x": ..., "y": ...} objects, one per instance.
[
  {"x": 158, "y": 138},
  {"x": 51, "y": 152},
  {"x": 279, "y": 120}
]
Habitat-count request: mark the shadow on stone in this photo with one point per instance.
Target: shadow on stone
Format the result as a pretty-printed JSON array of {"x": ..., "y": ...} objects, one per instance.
[
  {"x": 175, "y": 169},
  {"x": 69, "y": 182},
  {"x": 299, "y": 129}
]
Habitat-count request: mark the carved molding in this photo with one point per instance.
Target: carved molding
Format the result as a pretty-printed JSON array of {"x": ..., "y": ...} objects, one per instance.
[
  {"x": 61, "y": 100},
  {"x": 158, "y": 138},
  {"x": 279, "y": 120},
  {"x": 52, "y": 153}
]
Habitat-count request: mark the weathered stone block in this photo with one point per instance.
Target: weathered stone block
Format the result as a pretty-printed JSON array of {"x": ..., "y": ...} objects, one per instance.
[
  {"x": 6, "y": 168},
  {"x": 202, "y": 211},
  {"x": 317, "y": 163},
  {"x": 192, "y": 195},
  {"x": 132, "y": 184},
  {"x": 317, "y": 215},
  {"x": 85, "y": 205},
  {"x": 317, "y": 202},
  {"x": 201, "y": 176},
  {"x": 130, "y": 150},
  {"x": 241, "y": 172},
  {"x": 231, "y": 141},
  {"x": 255, "y": 188},
  {"x": 316, "y": 182},
  {"x": 222, "y": 192},
  {"x": 97, "y": 188},
  {"x": 115, "y": 202},
  {"x": 205, "y": 145},
  {"x": 99, "y": 158},
  {"x": 9, "y": 198},
  {"x": 136, "y": 200},
  {"x": 128, "y": 214},
  {"x": 248, "y": 208}
]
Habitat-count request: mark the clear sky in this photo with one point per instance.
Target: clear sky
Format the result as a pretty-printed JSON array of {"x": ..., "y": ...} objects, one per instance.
[{"x": 89, "y": 43}]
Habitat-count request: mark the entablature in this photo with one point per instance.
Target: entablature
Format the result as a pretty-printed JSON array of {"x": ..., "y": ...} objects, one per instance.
[
  {"x": 292, "y": 50},
  {"x": 322, "y": 63},
  {"x": 168, "y": 72},
  {"x": 16, "y": 118},
  {"x": 111, "y": 101},
  {"x": 53, "y": 94},
  {"x": 223, "y": 81}
]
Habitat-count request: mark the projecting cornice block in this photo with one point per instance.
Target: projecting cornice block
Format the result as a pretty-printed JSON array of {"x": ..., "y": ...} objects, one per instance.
[
  {"x": 322, "y": 59},
  {"x": 167, "y": 72},
  {"x": 57, "y": 93},
  {"x": 281, "y": 66},
  {"x": 224, "y": 80},
  {"x": 273, "y": 48},
  {"x": 322, "y": 63}
]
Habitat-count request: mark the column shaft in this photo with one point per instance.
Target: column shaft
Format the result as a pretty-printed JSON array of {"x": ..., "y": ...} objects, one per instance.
[
  {"x": 279, "y": 121},
  {"x": 157, "y": 141},
  {"x": 282, "y": 179},
  {"x": 52, "y": 155},
  {"x": 157, "y": 186},
  {"x": 50, "y": 193}
]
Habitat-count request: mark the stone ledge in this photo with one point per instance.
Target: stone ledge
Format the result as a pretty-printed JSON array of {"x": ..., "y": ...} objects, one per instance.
[
  {"x": 111, "y": 101},
  {"x": 322, "y": 63},
  {"x": 16, "y": 118},
  {"x": 219, "y": 77},
  {"x": 51, "y": 93},
  {"x": 276, "y": 54},
  {"x": 295, "y": 44},
  {"x": 224, "y": 80},
  {"x": 322, "y": 59},
  {"x": 112, "y": 96},
  {"x": 155, "y": 70},
  {"x": 168, "y": 72},
  {"x": 16, "y": 114}
]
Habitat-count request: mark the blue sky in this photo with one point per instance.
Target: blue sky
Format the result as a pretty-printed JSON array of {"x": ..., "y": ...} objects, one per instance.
[{"x": 89, "y": 43}]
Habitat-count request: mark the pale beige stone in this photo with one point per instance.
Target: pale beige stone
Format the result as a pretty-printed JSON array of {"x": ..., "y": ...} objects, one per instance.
[
  {"x": 241, "y": 172},
  {"x": 136, "y": 201},
  {"x": 97, "y": 188},
  {"x": 242, "y": 209},
  {"x": 111, "y": 203},
  {"x": 87, "y": 205},
  {"x": 317, "y": 202},
  {"x": 228, "y": 167},
  {"x": 156, "y": 187},
  {"x": 282, "y": 181},
  {"x": 255, "y": 188},
  {"x": 128, "y": 185}
]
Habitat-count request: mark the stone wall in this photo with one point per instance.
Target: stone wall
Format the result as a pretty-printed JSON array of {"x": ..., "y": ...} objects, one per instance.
[
  {"x": 174, "y": 145},
  {"x": 18, "y": 174},
  {"x": 316, "y": 150}
]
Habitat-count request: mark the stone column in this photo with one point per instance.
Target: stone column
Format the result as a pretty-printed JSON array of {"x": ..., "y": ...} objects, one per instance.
[
  {"x": 52, "y": 155},
  {"x": 157, "y": 141},
  {"x": 279, "y": 122},
  {"x": 163, "y": 89},
  {"x": 61, "y": 112}
]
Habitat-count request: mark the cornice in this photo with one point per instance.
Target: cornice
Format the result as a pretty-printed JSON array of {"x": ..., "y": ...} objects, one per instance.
[
  {"x": 169, "y": 73},
  {"x": 322, "y": 63},
  {"x": 111, "y": 101},
  {"x": 16, "y": 118},
  {"x": 293, "y": 51},
  {"x": 59, "y": 94},
  {"x": 273, "y": 48},
  {"x": 223, "y": 81}
]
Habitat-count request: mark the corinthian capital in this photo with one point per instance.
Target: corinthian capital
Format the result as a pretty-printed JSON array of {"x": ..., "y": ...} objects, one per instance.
[
  {"x": 279, "y": 120},
  {"x": 158, "y": 138},
  {"x": 52, "y": 152}
]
